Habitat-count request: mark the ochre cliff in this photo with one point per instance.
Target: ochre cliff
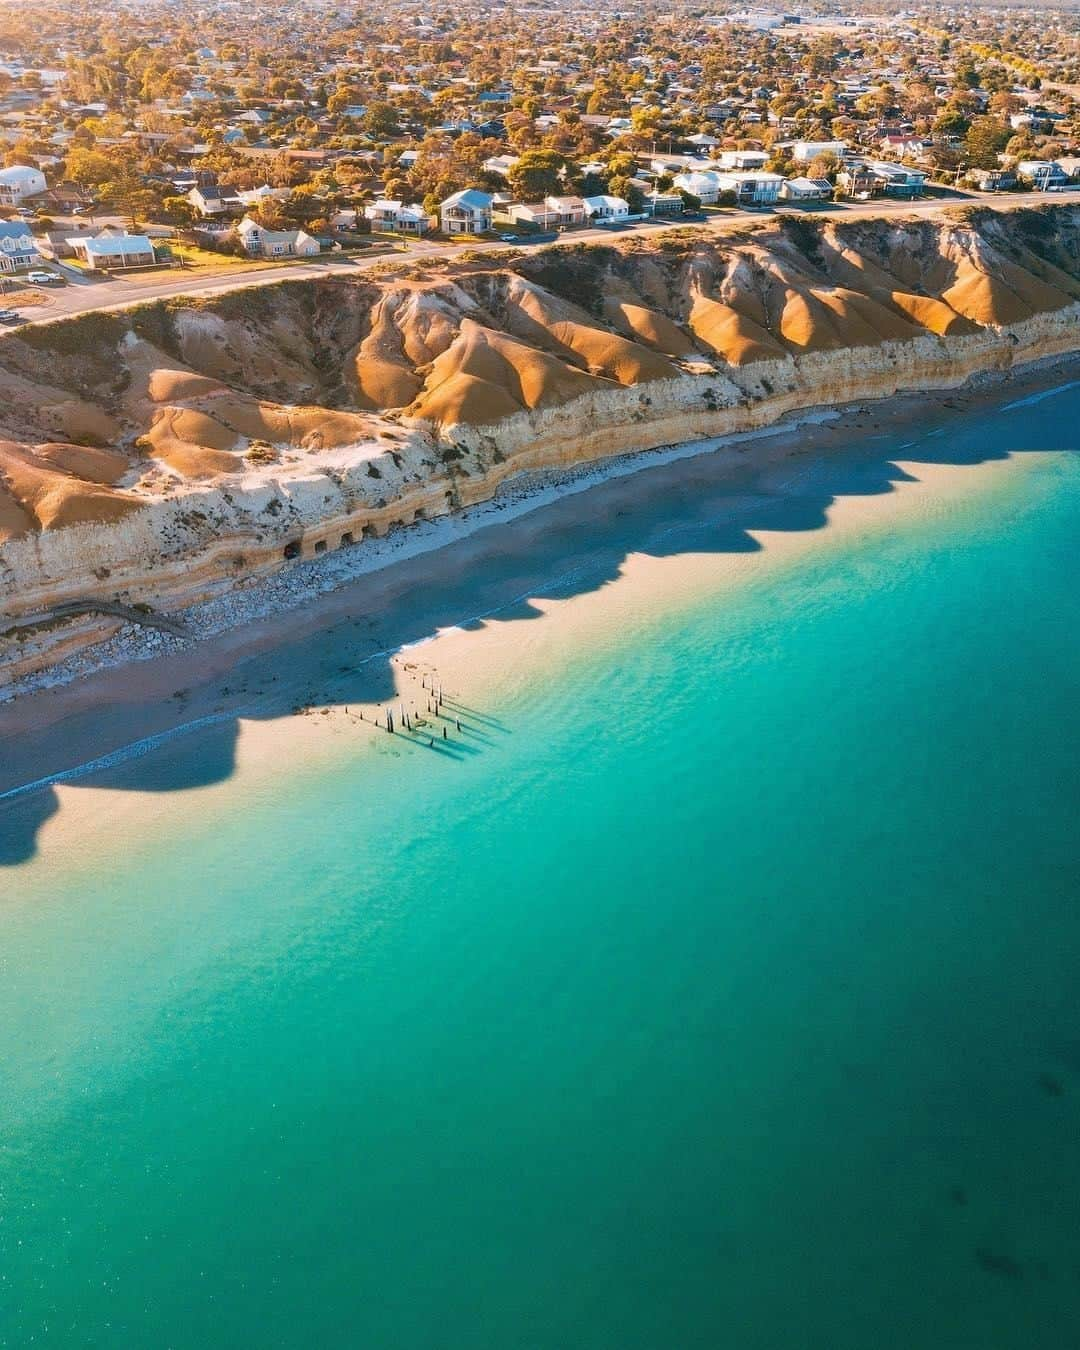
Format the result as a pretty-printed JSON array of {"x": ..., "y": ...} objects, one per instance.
[{"x": 157, "y": 455}]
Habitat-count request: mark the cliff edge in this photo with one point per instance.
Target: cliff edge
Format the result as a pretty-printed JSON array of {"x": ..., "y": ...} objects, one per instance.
[{"x": 156, "y": 456}]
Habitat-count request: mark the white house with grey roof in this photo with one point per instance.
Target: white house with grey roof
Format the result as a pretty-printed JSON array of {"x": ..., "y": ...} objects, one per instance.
[
  {"x": 19, "y": 182},
  {"x": 395, "y": 216},
  {"x": 257, "y": 239},
  {"x": 604, "y": 206},
  {"x": 466, "y": 212}
]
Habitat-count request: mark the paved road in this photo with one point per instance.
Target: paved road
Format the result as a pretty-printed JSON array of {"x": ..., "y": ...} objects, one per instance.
[{"x": 84, "y": 295}]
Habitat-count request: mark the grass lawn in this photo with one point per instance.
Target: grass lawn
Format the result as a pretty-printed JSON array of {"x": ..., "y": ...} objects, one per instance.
[{"x": 190, "y": 256}]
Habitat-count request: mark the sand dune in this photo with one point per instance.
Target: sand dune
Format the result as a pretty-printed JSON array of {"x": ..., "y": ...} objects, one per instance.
[
  {"x": 96, "y": 466},
  {"x": 382, "y": 375},
  {"x": 486, "y": 375},
  {"x": 14, "y": 521},
  {"x": 739, "y": 339},
  {"x": 549, "y": 322},
  {"x": 176, "y": 385},
  {"x": 53, "y": 498},
  {"x": 650, "y": 327}
]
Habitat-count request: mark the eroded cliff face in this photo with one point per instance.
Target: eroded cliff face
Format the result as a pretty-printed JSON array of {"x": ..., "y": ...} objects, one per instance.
[{"x": 159, "y": 455}]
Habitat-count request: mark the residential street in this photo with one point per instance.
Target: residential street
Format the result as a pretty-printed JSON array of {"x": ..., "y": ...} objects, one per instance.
[{"x": 83, "y": 294}]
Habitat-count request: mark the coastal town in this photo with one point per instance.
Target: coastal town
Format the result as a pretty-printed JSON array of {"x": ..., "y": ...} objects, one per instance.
[
  {"x": 539, "y": 649},
  {"x": 201, "y": 145}
]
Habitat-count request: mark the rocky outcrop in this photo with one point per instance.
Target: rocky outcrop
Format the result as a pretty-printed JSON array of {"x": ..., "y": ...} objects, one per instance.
[{"x": 160, "y": 455}]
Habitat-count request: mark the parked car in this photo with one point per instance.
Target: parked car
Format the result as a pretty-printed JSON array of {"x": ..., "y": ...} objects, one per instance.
[
  {"x": 45, "y": 278},
  {"x": 10, "y": 316},
  {"x": 508, "y": 238}
]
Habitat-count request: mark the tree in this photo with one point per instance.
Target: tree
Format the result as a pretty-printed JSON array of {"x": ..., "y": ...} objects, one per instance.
[
  {"x": 985, "y": 140},
  {"x": 622, "y": 164},
  {"x": 952, "y": 122},
  {"x": 128, "y": 196},
  {"x": 381, "y": 121},
  {"x": 341, "y": 99},
  {"x": 628, "y": 190},
  {"x": 178, "y": 211},
  {"x": 536, "y": 175},
  {"x": 824, "y": 166},
  {"x": 88, "y": 168}
]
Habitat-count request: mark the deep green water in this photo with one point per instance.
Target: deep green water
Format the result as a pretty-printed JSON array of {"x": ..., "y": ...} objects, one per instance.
[{"x": 730, "y": 997}]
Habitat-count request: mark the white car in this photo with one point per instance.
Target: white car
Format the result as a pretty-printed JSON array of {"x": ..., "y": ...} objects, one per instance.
[{"x": 44, "y": 278}]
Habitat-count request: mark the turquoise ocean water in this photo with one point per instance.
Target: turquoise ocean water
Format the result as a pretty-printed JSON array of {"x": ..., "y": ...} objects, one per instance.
[{"x": 728, "y": 997}]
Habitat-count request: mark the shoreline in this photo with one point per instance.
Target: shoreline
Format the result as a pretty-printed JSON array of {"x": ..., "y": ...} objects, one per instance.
[
  {"x": 138, "y": 701},
  {"x": 263, "y": 598}
]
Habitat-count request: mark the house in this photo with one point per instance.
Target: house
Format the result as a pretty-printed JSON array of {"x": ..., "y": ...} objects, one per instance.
[
  {"x": 253, "y": 196},
  {"x": 802, "y": 152},
  {"x": 64, "y": 198},
  {"x": 903, "y": 147},
  {"x": 897, "y": 180},
  {"x": 857, "y": 180},
  {"x": 551, "y": 214},
  {"x": 397, "y": 217},
  {"x": 992, "y": 180},
  {"x": 566, "y": 210},
  {"x": 742, "y": 159},
  {"x": 18, "y": 183},
  {"x": 679, "y": 164},
  {"x": 500, "y": 165},
  {"x": 1034, "y": 122},
  {"x": 289, "y": 244},
  {"x": 346, "y": 220},
  {"x": 250, "y": 233},
  {"x": 752, "y": 188},
  {"x": 466, "y": 212},
  {"x": 257, "y": 239},
  {"x": 664, "y": 203},
  {"x": 55, "y": 244},
  {"x": 17, "y": 246},
  {"x": 704, "y": 185},
  {"x": 536, "y": 214},
  {"x": 806, "y": 190},
  {"x": 208, "y": 201},
  {"x": 606, "y": 207},
  {"x": 111, "y": 252},
  {"x": 1043, "y": 173}
]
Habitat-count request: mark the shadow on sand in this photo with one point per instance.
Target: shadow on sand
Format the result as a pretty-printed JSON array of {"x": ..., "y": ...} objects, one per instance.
[{"x": 696, "y": 505}]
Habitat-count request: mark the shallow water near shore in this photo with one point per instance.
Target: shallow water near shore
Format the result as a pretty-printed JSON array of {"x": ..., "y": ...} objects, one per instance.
[{"x": 717, "y": 986}]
